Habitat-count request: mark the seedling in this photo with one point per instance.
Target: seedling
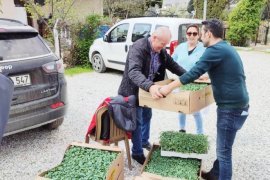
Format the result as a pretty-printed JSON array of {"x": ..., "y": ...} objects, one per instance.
[
  {"x": 193, "y": 86},
  {"x": 83, "y": 163},
  {"x": 183, "y": 142},
  {"x": 173, "y": 167}
]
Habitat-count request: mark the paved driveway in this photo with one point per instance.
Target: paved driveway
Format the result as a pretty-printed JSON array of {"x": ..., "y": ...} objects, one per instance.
[{"x": 24, "y": 155}]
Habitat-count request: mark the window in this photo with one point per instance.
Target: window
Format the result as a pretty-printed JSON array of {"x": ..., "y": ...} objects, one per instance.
[
  {"x": 140, "y": 31},
  {"x": 41, "y": 2},
  {"x": 18, "y": 3},
  {"x": 119, "y": 34},
  {"x": 21, "y": 45}
]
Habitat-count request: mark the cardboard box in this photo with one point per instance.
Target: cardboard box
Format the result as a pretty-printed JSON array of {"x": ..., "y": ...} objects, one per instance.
[
  {"x": 186, "y": 102},
  {"x": 209, "y": 98},
  {"x": 116, "y": 169},
  {"x": 150, "y": 176}
]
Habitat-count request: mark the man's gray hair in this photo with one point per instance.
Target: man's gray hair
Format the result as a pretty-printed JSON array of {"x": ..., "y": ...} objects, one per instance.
[{"x": 162, "y": 31}]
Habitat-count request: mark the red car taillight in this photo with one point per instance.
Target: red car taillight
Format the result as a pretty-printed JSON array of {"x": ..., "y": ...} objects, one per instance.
[
  {"x": 54, "y": 67},
  {"x": 173, "y": 45}
]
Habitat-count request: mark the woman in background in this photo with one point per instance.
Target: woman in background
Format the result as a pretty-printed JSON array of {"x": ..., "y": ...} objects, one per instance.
[{"x": 186, "y": 55}]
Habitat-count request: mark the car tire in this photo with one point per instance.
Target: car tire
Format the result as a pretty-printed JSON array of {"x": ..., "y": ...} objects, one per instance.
[
  {"x": 98, "y": 63},
  {"x": 54, "y": 124}
]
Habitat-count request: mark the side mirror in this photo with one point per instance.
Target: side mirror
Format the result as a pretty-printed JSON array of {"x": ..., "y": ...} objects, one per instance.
[{"x": 105, "y": 38}]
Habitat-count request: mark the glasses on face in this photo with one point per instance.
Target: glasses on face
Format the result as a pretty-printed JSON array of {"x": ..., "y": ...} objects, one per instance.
[{"x": 192, "y": 33}]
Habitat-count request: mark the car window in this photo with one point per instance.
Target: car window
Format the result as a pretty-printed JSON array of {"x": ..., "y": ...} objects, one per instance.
[
  {"x": 182, "y": 32},
  {"x": 21, "y": 45},
  {"x": 119, "y": 33},
  {"x": 140, "y": 31}
]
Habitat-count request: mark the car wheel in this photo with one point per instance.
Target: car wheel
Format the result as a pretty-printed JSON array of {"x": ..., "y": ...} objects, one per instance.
[
  {"x": 54, "y": 124},
  {"x": 98, "y": 63}
]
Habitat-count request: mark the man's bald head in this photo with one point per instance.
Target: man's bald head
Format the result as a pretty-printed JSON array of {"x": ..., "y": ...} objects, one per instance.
[{"x": 160, "y": 38}]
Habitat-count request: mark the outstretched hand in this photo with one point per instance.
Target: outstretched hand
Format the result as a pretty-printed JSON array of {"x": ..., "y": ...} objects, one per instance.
[
  {"x": 203, "y": 77},
  {"x": 154, "y": 91},
  {"x": 165, "y": 90}
]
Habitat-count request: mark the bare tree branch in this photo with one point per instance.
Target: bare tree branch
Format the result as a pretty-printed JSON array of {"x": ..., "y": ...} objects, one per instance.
[{"x": 68, "y": 10}]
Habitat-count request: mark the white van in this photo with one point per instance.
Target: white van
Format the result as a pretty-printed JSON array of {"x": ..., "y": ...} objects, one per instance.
[{"x": 111, "y": 50}]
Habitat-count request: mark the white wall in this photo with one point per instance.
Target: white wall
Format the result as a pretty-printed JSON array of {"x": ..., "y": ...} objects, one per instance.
[
  {"x": 181, "y": 4},
  {"x": 10, "y": 11},
  {"x": 87, "y": 7}
]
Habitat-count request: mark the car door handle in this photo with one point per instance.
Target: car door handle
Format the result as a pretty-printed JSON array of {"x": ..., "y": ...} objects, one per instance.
[{"x": 126, "y": 48}]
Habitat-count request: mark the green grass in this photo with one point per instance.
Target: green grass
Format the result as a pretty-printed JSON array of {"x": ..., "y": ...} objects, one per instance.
[{"x": 77, "y": 70}]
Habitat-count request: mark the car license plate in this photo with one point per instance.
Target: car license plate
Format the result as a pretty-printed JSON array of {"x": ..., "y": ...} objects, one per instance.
[{"x": 21, "y": 80}]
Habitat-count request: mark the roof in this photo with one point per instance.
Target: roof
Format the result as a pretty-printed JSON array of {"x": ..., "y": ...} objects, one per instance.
[
  {"x": 10, "y": 22},
  {"x": 163, "y": 20},
  {"x": 10, "y": 25}
]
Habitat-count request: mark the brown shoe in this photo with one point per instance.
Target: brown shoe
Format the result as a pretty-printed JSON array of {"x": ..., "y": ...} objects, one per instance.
[{"x": 208, "y": 176}]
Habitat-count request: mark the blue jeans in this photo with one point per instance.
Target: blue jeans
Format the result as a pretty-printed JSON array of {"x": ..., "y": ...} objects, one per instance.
[
  {"x": 198, "y": 119},
  {"x": 141, "y": 134},
  {"x": 229, "y": 121}
]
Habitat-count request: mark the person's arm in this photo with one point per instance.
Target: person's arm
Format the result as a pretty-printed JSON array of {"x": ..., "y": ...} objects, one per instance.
[
  {"x": 209, "y": 59},
  {"x": 167, "y": 89},
  {"x": 203, "y": 77},
  {"x": 200, "y": 50}
]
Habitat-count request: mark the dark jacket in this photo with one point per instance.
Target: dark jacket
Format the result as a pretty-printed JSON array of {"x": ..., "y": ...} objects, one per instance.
[
  {"x": 6, "y": 92},
  {"x": 138, "y": 66}
]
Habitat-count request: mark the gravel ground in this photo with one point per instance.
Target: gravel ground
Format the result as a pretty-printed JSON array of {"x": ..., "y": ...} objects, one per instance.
[{"x": 26, "y": 154}]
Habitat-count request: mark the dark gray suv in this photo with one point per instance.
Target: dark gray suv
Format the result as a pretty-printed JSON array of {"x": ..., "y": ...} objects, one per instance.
[{"x": 39, "y": 96}]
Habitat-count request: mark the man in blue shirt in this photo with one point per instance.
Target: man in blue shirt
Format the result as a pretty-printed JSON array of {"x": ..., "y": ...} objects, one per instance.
[{"x": 226, "y": 72}]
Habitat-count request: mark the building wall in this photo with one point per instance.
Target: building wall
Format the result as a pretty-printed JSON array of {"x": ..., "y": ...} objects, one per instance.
[
  {"x": 181, "y": 4},
  {"x": 81, "y": 7},
  {"x": 11, "y": 12},
  {"x": 86, "y": 7}
]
